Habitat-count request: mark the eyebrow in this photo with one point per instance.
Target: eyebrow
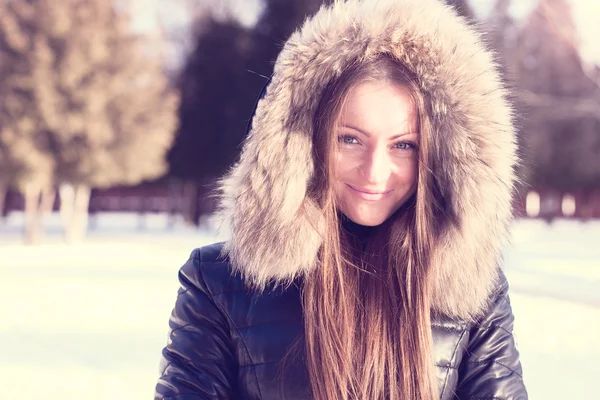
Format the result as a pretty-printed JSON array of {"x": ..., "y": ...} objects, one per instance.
[{"x": 369, "y": 135}]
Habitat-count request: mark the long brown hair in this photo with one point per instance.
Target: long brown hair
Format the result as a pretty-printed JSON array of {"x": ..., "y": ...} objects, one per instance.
[{"x": 367, "y": 312}]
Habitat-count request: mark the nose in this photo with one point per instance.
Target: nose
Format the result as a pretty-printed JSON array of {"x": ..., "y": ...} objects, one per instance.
[{"x": 376, "y": 168}]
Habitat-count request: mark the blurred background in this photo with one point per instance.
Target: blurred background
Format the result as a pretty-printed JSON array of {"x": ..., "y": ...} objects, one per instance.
[{"x": 116, "y": 117}]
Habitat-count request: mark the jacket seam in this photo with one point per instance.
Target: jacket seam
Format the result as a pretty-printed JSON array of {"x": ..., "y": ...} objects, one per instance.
[
  {"x": 257, "y": 364},
  {"x": 243, "y": 328},
  {"x": 180, "y": 328},
  {"x": 231, "y": 323},
  {"x": 494, "y": 326},
  {"x": 216, "y": 360},
  {"x": 451, "y": 359},
  {"x": 479, "y": 362},
  {"x": 447, "y": 366},
  {"x": 448, "y": 328},
  {"x": 165, "y": 368}
]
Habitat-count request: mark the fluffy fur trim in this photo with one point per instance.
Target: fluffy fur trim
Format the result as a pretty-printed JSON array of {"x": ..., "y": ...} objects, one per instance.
[{"x": 275, "y": 228}]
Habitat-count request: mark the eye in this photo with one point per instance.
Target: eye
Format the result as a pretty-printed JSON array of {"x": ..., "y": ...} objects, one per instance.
[
  {"x": 405, "y": 146},
  {"x": 347, "y": 139}
]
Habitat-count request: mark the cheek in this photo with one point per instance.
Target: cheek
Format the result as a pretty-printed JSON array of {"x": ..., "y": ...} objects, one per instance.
[
  {"x": 411, "y": 174},
  {"x": 405, "y": 172},
  {"x": 343, "y": 166}
]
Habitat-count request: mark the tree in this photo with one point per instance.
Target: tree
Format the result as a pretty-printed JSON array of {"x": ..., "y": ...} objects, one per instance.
[
  {"x": 280, "y": 18},
  {"x": 463, "y": 8},
  {"x": 101, "y": 100},
  {"x": 561, "y": 124},
  {"x": 213, "y": 92},
  {"x": 25, "y": 162},
  {"x": 219, "y": 85},
  {"x": 214, "y": 108}
]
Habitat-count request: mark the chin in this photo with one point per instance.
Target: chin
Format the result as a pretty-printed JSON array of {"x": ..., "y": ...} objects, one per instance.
[{"x": 367, "y": 220}]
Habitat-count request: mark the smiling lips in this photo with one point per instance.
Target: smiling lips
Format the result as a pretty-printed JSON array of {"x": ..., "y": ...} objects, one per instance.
[{"x": 370, "y": 195}]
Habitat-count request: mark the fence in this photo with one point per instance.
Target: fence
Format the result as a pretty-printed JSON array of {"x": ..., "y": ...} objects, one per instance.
[{"x": 194, "y": 201}]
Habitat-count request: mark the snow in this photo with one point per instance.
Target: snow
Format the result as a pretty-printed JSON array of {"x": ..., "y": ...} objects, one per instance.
[{"x": 88, "y": 321}]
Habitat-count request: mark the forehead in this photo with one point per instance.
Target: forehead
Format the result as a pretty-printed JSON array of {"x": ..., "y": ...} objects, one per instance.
[{"x": 380, "y": 107}]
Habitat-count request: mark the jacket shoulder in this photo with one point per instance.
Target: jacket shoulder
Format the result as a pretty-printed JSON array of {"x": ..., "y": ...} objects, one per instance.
[
  {"x": 208, "y": 268},
  {"x": 210, "y": 254}
]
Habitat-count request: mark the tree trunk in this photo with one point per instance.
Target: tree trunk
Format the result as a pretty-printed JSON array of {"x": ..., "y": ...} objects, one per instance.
[
  {"x": 47, "y": 203},
  {"x": 74, "y": 205},
  {"x": 174, "y": 201},
  {"x": 67, "y": 195},
  {"x": 141, "y": 214},
  {"x": 32, "y": 226},
  {"x": 38, "y": 202},
  {"x": 190, "y": 198},
  {"x": 3, "y": 193},
  {"x": 82, "y": 204}
]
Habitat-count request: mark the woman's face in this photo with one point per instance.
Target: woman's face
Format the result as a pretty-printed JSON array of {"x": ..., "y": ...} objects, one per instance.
[{"x": 375, "y": 161}]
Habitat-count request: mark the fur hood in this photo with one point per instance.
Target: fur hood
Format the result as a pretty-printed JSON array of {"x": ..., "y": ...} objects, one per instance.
[{"x": 274, "y": 226}]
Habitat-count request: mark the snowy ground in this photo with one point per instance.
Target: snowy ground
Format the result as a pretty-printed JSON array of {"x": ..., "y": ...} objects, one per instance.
[{"x": 88, "y": 321}]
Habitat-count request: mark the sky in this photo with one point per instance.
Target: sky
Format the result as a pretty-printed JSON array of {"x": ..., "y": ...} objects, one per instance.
[{"x": 586, "y": 14}]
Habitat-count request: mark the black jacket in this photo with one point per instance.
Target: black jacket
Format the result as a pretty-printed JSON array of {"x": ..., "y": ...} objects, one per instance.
[{"x": 229, "y": 343}]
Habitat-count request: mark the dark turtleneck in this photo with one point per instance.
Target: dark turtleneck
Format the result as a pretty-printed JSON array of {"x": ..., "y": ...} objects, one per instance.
[{"x": 362, "y": 233}]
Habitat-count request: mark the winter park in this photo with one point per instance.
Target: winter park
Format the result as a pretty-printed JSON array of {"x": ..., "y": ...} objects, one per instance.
[
  {"x": 126, "y": 127},
  {"x": 88, "y": 321}
]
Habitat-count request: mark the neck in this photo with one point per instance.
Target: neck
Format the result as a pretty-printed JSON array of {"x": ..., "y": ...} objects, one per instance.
[{"x": 361, "y": 233}]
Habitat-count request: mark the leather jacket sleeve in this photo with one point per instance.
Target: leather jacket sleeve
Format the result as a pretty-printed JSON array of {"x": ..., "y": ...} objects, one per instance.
[
  {"x": 198, "y": 362},
  {"x": 491, "y": 368}
]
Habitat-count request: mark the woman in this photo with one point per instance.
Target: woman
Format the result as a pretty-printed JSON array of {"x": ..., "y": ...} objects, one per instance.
[{"x": 367, "y": 214}]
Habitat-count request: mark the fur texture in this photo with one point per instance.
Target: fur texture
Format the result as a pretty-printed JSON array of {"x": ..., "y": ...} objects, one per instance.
[{"x": 274, "y": 227}]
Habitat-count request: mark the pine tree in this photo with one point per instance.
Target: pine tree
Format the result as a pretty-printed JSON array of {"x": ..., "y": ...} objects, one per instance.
[
  {"x": 220, "y": 84},
  {"x": 101, "y": 101}
]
